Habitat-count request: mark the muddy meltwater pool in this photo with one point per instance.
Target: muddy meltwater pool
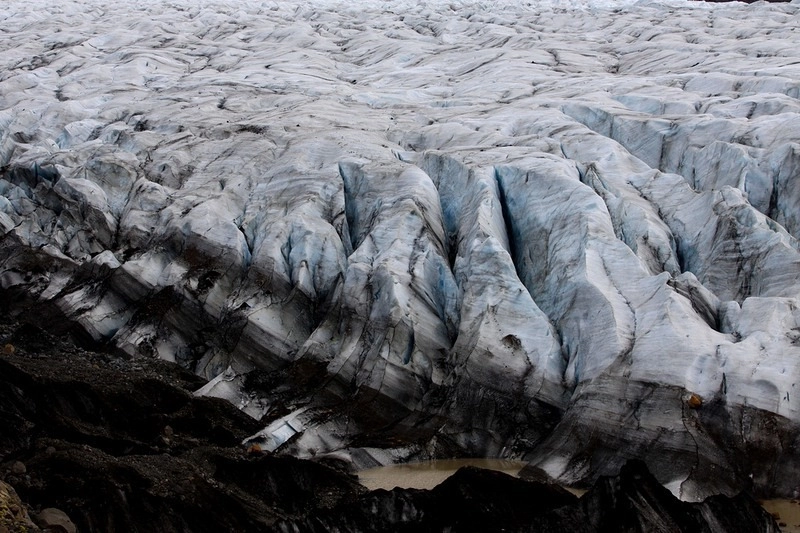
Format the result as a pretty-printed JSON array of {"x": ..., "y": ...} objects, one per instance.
[
  {"x": 427, "y": 475},
  {"x": 786, "y": 513}
]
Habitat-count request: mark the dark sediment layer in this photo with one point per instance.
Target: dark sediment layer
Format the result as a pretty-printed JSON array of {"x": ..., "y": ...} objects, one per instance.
[{"x": 123, "y": 445}]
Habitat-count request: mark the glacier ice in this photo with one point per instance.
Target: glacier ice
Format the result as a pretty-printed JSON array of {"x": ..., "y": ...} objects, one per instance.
[{"x": 563, "y": 232}]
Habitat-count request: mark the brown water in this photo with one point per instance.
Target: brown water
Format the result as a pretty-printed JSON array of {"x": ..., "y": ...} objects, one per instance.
[
  {"x": 428, "y": 474},
  {"x": 786, "y": 513}
]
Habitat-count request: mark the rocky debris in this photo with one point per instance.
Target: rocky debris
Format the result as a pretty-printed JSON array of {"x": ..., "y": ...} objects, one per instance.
[
  {"x": 635, "y": 501},
  {"x": 123, "y": 446},
  {"x": 14, "y": 516},
  {"x": 472, "y": 499},
  {"x": 55, "y": 521},
  {"x": 481, "y": 500},
  {"x": 540, "y": 231}
]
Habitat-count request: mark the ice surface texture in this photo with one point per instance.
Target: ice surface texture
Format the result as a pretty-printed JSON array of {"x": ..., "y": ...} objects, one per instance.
[{"x": 563, "y": 232}]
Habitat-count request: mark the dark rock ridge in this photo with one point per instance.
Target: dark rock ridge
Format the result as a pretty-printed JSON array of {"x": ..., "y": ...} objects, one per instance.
[
  {"x": 125, "y": 446},
  {"x": 560, "y": 232},
  {"x": 164, "y": 460},
  {"x": 481, "y": 500}
]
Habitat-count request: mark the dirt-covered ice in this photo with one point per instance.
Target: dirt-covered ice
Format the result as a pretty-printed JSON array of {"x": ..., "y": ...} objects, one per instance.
[{"x": 558, "y": 232}]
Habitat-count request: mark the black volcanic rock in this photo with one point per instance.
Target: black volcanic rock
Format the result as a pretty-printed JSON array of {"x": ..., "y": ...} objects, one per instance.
[
  {"x": 472, "y": 499},
  {"x": 123, "y": 446},
  {"x": 480, "y": 500},
  {"x": 634, "y": 501}
]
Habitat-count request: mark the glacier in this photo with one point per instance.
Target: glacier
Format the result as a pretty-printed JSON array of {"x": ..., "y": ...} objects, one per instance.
[{"x": 559, "y": 232}]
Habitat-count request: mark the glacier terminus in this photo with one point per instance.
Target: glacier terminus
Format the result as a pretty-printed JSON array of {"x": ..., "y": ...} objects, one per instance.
[{"x": 564, "y": 233}]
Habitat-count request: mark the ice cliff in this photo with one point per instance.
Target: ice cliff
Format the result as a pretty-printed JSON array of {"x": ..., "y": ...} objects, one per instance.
[{"x": 561, "y": 232}]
